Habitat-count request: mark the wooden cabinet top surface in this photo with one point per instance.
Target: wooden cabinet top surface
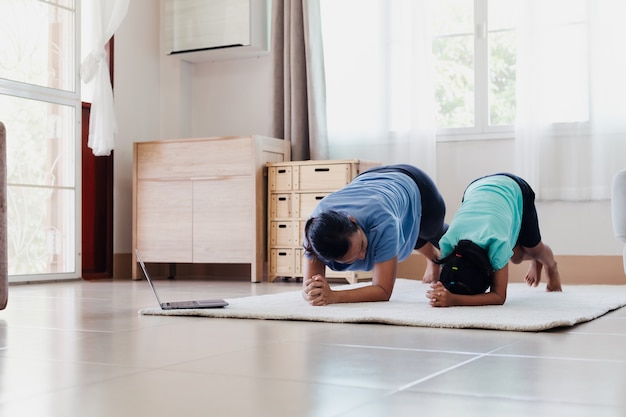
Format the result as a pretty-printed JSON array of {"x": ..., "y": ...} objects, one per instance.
[
  {"x": 206, "y": 157},
  {"x": 204, "y": 139},
  {"x": 323, "y": 162}
]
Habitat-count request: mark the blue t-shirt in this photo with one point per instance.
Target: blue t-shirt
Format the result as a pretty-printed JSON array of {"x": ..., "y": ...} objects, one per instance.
[
  {"x": 490, "y": 216},
  {"x": 388, "y": 207}
]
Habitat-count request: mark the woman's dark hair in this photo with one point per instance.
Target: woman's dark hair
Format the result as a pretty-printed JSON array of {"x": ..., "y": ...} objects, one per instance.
[
  {"x": 467, "y": 269},
  {"x": 327, "y": 236}
]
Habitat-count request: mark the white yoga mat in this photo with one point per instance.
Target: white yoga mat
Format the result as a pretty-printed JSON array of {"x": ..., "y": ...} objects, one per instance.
[{"x": 526, "y": 309}]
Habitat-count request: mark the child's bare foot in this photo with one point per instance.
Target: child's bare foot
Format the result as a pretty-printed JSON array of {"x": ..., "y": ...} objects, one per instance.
[
  {"x": 554, "y": 279},
  {"x": 533, "y": 276}
]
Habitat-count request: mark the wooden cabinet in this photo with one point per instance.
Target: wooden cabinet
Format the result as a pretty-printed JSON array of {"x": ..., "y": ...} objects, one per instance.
[
  {"x": 203, "y": 200},
  {"x": 294, "y": 190}
]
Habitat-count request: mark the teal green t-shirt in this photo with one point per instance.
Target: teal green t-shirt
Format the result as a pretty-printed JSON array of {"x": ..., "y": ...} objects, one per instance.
[{"x": 490, "y": 216}]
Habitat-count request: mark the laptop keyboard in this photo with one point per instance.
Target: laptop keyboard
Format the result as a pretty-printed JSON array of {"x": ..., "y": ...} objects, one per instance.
[{"x": 182, "y": 304}]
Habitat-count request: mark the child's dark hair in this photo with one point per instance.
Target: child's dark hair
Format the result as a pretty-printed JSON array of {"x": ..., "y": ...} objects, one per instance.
[
  {"x": 327, "y": 236},
  {"x": 467, "y": 269}
]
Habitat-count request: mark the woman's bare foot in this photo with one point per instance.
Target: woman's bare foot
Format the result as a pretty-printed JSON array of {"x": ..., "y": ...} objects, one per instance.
[{"x": 431, "y": 274}]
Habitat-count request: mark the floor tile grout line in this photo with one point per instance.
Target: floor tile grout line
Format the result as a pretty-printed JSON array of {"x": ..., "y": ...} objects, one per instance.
[
  {"x": 489, "y": 354},
  {"x": 493, "y": 353},
  {"x": 457, "y": 352},
  {"x": 558, "y": 358},
  {"x": 431, "y": 376},
  {"x": 61, "y": 329},
  {"x": 443, "y": 371}
]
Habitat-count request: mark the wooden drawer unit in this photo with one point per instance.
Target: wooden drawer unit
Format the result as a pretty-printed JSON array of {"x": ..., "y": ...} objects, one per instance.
[
  {"x": 305, "y": 203},
  {"x": 282, "y": 262},
  {"x": 294, "y": 190},
  {"x": 204, "y": 201},
  {"x": 279, "y": 178},
  {"x": 323, "y": 176},
  {"x": 282, "y": 233},
  {"x": 280, "y": 206}
]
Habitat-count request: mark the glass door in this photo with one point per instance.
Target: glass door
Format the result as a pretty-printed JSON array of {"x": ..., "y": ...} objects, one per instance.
[{"x": 40, "y": 106}]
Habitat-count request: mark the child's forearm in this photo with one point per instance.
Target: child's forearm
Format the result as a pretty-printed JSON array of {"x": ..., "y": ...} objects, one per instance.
[{"x": 489, "y": 298}]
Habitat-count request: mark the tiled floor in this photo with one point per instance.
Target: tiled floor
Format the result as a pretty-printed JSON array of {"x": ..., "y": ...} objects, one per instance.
[{"x": 80, "y": 349}]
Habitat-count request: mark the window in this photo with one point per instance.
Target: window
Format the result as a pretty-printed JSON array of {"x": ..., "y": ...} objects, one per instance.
[
  {"x": 40, "y": 106},
  {"x": 404, "y": 74},
  {"x": 475, "y": 49},
  {"x": 474, "y": 58}
]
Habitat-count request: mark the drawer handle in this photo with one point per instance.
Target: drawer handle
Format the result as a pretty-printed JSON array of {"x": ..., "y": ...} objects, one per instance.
[
  {"x": 282, "y": 253},
  {"x": 322, "y": 169},
  {"x": 282, "y": 226},
  {"x": 319, "y": 197},
  {"x": 282, "y": 198},
  {"x": 282, "y": 171}
]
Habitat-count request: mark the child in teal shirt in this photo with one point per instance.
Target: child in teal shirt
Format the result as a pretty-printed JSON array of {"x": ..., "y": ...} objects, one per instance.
[{"x": 497, "y": 222}]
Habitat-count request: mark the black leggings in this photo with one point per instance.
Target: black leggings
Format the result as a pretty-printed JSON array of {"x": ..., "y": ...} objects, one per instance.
[
  {"x": 432, "y": 225},
  {"x": 529, "y": 235}
]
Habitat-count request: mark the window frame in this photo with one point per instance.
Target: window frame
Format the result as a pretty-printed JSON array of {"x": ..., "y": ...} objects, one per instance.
[
  {"x": 481, "y": 129},
  {"x": 72, "y": 99}
]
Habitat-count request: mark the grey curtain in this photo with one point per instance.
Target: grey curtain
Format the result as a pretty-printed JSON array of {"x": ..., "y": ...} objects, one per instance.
[{"x": 299, "y": 87}]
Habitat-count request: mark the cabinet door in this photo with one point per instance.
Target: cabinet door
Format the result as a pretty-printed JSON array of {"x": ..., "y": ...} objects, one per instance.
[
  {"x": 164, "y": 220},
  {"x": 223, "y": 220}
]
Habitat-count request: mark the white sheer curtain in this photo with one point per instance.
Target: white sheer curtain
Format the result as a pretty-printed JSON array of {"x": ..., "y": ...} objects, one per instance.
[
  {"x": 103, "y": 18},
  {"x": 571, "y": 118},
  {"x": 379, "y": 83}
]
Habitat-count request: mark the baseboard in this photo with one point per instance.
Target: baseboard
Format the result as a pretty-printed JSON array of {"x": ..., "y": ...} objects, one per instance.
[
  {"x": 122, "y": 269},
  {"x": 574, "y": 269},
  {"x": 122, "y": 265}
]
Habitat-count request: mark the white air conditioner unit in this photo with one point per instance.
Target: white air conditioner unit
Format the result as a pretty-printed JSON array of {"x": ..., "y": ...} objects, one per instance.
[{"x": 207, "y": 30}]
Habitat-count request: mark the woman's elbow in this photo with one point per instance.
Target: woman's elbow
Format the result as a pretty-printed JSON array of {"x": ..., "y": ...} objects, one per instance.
[{"x": 384, "y": 294}]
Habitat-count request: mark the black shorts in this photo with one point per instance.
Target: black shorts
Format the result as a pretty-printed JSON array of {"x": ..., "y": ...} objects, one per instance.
[
  {"x": 529, "y": 235},
  {"x": 432, "y": 225}
]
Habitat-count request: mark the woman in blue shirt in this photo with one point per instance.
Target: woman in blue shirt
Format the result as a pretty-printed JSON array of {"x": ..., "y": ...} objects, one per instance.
[
  {"x": 497, "y": 222},
  {"x": 370, "y": 225}
]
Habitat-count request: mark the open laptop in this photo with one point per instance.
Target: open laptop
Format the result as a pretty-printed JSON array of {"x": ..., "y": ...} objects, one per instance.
[{"x": 173, "y": 305}]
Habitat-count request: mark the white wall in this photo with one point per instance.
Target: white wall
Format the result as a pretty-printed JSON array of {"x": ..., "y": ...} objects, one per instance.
[
  {"x": 232, "y": 97},
  {"x": 136, "y": 94},
  {"x": 159, "y": 97}
]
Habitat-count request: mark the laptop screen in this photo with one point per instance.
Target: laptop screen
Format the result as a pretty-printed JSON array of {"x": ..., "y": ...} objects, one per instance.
[{"x": 145, "y": 273}]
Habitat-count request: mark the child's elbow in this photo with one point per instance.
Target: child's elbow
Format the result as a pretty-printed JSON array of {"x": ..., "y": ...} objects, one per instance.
[
  {"x": 496, "y": 298},
  {"x": 501, "y": 300}
]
